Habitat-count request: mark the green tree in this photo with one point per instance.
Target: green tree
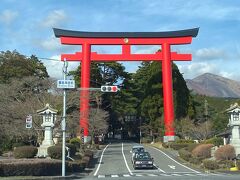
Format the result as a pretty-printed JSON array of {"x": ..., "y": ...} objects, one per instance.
[{"x": 15, "y": 65}]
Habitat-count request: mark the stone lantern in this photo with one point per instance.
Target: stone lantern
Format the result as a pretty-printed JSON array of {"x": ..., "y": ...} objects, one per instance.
[
  {"x": 234, "y": 124},
  {"x": 49, "y": 117}
]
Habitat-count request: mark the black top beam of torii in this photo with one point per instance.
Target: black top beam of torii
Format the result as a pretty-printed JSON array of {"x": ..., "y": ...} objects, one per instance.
[{"x": 84, "y": 34}]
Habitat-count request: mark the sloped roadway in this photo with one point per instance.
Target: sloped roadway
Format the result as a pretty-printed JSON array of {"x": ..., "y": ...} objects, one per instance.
[{"x": 114, "y": 162}]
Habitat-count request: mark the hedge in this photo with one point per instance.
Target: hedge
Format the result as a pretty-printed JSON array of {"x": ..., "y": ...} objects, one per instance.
[
  {"x": 55, "y": 152},
  {"x": 37, "y": 167},
  {"x": 25, "y": 152},
  {"x": 30, "y": 168}
]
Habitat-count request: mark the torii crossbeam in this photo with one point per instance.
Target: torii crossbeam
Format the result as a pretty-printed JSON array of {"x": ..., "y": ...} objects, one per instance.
[{"x": 126, "y": 39}]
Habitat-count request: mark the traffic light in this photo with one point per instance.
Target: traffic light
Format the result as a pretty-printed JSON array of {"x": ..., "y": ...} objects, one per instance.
[{"x": 109, "y": 88}]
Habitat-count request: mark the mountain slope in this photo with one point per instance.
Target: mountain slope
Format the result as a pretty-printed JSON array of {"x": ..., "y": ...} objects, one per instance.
[{"x": 214, "y": 85}]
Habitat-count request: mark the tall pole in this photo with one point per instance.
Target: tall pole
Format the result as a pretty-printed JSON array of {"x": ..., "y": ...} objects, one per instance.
[
  {"x": 167, "y": 92},
  {"x": 84, "y": 95},
  {"x": 64, "y": 121}
]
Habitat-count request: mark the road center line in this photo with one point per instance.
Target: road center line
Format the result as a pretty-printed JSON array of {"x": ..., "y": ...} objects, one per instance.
[
  {"x": 175, "y": 160},
  {"x": 126, "y": 161},
  {"x": 100, "y": 162}
]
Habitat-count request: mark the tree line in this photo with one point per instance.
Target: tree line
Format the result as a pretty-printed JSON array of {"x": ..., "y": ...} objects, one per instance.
[{"x": 27, "y": 87}]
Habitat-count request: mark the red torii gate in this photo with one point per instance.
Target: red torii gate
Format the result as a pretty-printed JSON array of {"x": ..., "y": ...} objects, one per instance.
[{"x": 126, "y": 39}]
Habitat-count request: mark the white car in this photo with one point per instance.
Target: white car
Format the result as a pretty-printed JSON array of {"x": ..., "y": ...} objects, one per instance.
[{"x": 136, "y": 149}]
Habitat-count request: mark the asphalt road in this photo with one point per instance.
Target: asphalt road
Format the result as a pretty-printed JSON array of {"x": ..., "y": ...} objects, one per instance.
[{"x": 114, "y": 162}]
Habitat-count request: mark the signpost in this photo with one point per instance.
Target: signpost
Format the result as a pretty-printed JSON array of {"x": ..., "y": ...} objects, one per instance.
[
  {"x": 64, "y": 84},
  {"x": 68, "y": 84},
  {"x": 29, "y": 122}
]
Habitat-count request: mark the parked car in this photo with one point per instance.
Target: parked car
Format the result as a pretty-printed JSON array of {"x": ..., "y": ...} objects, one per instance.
[{"x": 142, "y": 160}]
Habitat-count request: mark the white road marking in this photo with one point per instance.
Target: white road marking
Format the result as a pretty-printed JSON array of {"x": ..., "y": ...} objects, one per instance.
[
  {"x": 126, "y": 161},
  {"x": 114, "y": 176},
  {"x": 171, "y": 166},
  {"x": 176, "y": 174},
  {"x": 126, "y": 175},
  {"x": 190, "y": 174},
  {"x": 139, "y": 175},
  {"x": 165, "y": 174},
  {"x": 101, "y": 176},
  {"x": 159, "y": 168},
  {"x": 100, "y": 162},
  {"x": 175, "y": 160},
  {"x": 152, "y": 175}
]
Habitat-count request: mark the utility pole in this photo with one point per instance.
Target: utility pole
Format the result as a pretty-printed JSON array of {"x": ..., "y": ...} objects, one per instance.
[
  {"x": 65, "y": 65},
  {"x": 206, "y": 109}
]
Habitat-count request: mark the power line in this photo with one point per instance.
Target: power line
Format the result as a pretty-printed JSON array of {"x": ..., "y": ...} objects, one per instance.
[{"x": 43, "y": 58}]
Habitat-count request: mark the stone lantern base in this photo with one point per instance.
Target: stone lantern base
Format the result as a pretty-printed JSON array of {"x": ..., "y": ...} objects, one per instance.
[
  {"x": 42, "y": 151},
  {"x": 236, "y": 144}
]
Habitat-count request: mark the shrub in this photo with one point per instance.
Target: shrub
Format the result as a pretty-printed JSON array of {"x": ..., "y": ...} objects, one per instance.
[
  {"x": 216, "y": 141},
  {"x": 226, "y": 152},
  {"x": 55, "y": 152},
  {"x": 184, "y": 154},
  {"x": 190, "y": 147},
  {"x": 73, "y": 149},
  {"x": 189, "y": 141},
  {"x": 238, "y": 164},
  {"x": 88, "y": 153},
  {"x": 226, "y": 164},
  {"x": 210, "y": 164},
  {"x": 75, "y": 166},
  {"x": 85, "y": 161},
  {"x": 1, "y": 152},
  {"x": 195, "y": 160},
  {"x": 14, "y": 145},
  {"x": 166, "y": 145},
  {"x": 76, "y": 142},
  {"x": 202, "y": 151},
  {"x": 30, "y": 167},
  {"x": 25, "y": 152},
  {"x": 178, "y": 146}
]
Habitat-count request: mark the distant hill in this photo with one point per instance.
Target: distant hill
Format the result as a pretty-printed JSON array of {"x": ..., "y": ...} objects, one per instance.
[{"x": 213, "y": 85}]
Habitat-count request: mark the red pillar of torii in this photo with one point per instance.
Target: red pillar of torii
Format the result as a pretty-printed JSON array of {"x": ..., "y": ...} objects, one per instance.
[{"x": 126, "y": 39}]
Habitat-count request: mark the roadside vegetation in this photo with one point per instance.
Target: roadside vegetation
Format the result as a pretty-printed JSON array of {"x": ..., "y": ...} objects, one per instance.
[
  {"x": 136, "y": 109},
  {"x": 200, "y": 154}
]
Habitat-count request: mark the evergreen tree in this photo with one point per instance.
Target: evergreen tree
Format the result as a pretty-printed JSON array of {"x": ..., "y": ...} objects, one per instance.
[{"x": 15, "y": 65}]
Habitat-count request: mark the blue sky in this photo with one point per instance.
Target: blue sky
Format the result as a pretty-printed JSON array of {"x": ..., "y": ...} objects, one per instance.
[{"x": 26, "y": 26}]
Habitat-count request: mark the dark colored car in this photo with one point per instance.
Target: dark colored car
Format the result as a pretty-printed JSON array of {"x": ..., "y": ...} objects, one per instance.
[{"x": 142, "y": 160}]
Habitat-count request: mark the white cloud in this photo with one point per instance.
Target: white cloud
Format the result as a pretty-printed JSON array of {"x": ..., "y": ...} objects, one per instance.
[
  {"x": 8, "y": 16},
  {"x": 54, "y": 67},
  {"x": 209, "y": 54},
  {"x": 145, "y": 49},
  {"x": 51, "y": 43},
  {"x": 54, "y": 19},
  {"x": 195, "y": 69}
]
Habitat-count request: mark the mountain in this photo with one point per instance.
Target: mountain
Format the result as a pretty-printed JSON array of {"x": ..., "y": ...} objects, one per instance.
[{"x": 213, "y": 85}]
